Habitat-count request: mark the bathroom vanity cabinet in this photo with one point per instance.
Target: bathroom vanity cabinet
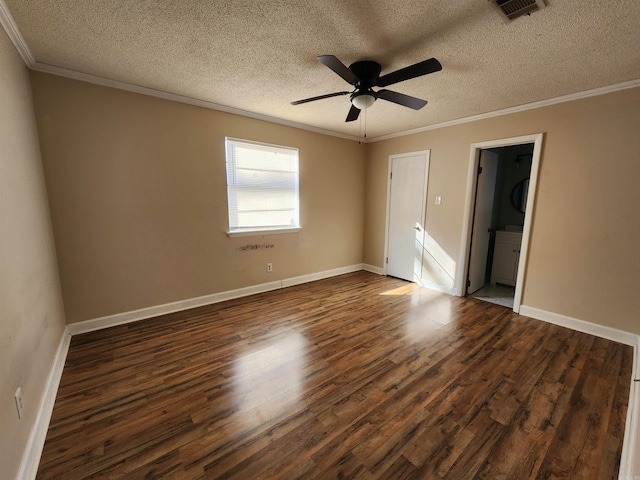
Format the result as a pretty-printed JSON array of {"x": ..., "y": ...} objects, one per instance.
[{"x": 506, "y": 255}]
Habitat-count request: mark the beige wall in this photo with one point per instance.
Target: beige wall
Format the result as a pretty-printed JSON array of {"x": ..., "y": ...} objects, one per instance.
[
  {"x": 584, "y": 256},
  {"x": 138, "y": 200},
  {"x": 138, "y": 205},
  {"x": 137, "y": 189},
  {"x": 31, "y": 314}
]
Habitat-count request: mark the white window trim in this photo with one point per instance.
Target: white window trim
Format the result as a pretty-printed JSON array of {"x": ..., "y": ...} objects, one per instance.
[
  {"x": 265, "y": 231},
  {"x": 245, "y": 232}
]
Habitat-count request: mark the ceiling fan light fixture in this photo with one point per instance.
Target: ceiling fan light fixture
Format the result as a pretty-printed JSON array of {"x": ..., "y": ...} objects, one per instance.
[
  {"x": 365, "y": 74},
  {"x": 364, "y": 101}
]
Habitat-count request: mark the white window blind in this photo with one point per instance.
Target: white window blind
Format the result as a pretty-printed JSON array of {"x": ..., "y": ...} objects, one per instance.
[{"x": 262, "y": 186}]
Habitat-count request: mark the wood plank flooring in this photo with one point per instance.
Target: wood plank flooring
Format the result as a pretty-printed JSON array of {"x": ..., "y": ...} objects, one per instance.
[{"x": 357, "y": 376}]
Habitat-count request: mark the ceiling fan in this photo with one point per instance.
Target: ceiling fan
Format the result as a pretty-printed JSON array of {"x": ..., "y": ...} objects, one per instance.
[{"x": 365, "y": 75}]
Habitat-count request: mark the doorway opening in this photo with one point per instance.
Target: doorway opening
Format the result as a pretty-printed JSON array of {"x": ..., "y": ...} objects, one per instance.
[
  {"x": 500, "y": 199},
  {"x": 499, "y": 226}
]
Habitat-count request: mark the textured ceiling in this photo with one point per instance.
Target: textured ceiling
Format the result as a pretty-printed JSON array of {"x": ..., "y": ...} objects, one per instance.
[{"x": 260, "y": 55}]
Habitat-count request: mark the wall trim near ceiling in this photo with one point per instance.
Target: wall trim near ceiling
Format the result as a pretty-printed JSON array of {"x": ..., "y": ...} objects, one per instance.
[
  {"x": 518, "y": 108},
  {"x": 85, "y": 77},
  {"x": 10, "y": 27},
  {"x": 6, "y": 20},
  {"x": 35, "y": 444},
  {"x": 130, "y": 87},
  {"x": 630, "y": 445}
]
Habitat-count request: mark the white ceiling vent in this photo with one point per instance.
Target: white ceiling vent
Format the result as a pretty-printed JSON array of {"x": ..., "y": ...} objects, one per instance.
[{"x": 516, "y": 8}]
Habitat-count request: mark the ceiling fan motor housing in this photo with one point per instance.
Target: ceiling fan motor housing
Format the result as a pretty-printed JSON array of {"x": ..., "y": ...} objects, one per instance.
[
  {"x": 365, "y": 74},
  {"x": 367, "y": 71}
]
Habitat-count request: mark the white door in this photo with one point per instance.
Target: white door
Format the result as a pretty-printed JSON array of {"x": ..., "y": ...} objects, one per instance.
[
  {"x": 407, "y": 197},
  {"x": 485, "y": 191}
]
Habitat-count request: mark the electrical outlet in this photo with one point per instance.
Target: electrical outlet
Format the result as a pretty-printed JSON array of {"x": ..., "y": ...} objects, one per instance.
[
  {"x": 19, "y": 401},
  {"x": 269, "y": 267}
]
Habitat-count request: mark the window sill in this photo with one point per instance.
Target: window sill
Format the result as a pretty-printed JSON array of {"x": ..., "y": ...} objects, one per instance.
[{"x": 266, "y": 231}]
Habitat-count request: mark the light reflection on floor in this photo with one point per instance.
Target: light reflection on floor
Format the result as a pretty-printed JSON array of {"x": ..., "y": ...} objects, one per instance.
[
  {"x": 423, "y": 325},
  {"x": 409, "y": 289},
  {"x": 270, "y": 380},
  {"x": 432, "y": 312}
]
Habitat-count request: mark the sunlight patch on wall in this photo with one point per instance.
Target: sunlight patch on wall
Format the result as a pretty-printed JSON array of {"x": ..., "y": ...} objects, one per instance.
[{"x": 437, "y": 266}]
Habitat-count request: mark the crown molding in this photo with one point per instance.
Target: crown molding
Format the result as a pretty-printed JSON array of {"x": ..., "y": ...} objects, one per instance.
[
  {"x": 9, "y": 25},
  {"x": 519, "y": 108},
  {"x": 85, "y": 77},
  {"x": 106, "y": 82},
  {"x": 130, "y": 87}
]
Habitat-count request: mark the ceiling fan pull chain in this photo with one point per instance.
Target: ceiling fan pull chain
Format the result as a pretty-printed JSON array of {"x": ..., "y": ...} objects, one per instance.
[
  {"x": 364, "y": 75},
  {"x": 365, "y": 125}
]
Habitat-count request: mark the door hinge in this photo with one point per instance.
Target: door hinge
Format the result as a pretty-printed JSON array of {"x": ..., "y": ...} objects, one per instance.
[
  {"x": 386, "y": 260},
  {"x": 468, "y": 282},
  {"x": 390, "y": 175},
  {"x": 479, "y": 169}
]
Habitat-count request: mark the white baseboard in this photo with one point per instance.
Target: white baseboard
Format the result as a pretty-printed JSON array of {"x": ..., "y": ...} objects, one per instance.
[
  {"x": 373, "y": 269},
  {"x": 150, "y": 312},
  {"x": 35, "y": 444},
  {"x": 580, "y": 325},
  {"x": 630, "y": 448},
  {"x": 432, "y": 285},
  {"x": 439, "y": 288},
  {"x": 31, "y": 457},
  {"x": 312, "y": 277},
  {"x": 632, "y": 424}
]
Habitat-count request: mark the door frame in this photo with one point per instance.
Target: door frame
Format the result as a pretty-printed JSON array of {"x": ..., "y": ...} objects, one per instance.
[
  {"x": 427, "y": 154},
  {"x": 474, "y": 158}
]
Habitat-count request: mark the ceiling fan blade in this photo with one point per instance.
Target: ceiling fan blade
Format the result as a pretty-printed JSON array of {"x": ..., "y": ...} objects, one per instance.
[
  {"x": 313, "y": 99},
  {"x": 401, "y": 99},
  {"x": 353, "y": 114},
  {"x": 338, "y": 67},
  {"x": 412, "y": 71}
]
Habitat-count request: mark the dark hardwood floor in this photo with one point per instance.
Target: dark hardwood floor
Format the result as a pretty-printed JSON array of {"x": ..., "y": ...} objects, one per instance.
[{"x": 358, "y": 376}]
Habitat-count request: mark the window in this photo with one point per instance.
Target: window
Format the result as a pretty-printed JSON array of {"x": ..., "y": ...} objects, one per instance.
[{"x": 262, "y": 186}]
